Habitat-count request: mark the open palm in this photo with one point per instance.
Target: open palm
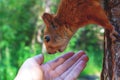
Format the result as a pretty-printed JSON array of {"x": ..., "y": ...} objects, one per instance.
[{"x": 66, "y": 67}]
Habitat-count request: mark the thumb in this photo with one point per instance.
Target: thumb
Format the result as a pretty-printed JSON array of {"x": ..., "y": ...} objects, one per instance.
[{"x": 39, "y": 58}]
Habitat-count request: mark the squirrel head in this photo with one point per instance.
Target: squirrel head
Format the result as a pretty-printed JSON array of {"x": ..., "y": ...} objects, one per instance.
[{"x": 56, "y": 34}]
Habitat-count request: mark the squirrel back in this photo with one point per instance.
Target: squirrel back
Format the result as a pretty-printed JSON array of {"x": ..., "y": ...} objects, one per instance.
[{"x": 81, "y": 12}]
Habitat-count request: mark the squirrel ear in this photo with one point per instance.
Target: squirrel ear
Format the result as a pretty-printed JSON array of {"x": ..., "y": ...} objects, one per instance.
[{"x": 47, "y": 18}]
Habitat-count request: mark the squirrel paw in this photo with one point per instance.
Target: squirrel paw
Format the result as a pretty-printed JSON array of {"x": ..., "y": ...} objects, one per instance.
[{"x": 115, "y": 36}]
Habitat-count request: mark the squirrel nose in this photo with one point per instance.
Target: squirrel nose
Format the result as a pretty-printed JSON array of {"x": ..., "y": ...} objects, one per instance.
[{"x": 60, "y": 50}]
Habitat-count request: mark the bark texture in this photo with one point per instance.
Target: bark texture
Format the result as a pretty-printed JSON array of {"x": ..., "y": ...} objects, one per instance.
[{"x": 111, "y": 61}]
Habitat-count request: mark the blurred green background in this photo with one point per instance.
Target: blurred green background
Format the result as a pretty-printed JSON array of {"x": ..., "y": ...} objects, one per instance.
[{"x": 21, "y": 32}]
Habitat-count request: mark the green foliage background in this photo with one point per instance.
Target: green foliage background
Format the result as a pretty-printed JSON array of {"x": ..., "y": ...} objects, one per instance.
[{"x": 18, "y": 28}]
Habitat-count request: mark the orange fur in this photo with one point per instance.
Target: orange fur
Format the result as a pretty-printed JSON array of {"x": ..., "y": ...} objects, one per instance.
[{"x": 71, "y": 15}]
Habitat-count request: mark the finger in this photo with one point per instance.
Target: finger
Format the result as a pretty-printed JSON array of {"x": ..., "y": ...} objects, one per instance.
[
  {"x": 53, "y": 64},
  {"x": 68, "y": 63},
  {"x": 39, "y": 58},
  {"x": 76, "y": 71},
  {"x": 83, "y": 58}
]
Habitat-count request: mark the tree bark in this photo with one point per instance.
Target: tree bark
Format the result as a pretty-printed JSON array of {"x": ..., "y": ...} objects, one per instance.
[{"x": 111, "y": 61}]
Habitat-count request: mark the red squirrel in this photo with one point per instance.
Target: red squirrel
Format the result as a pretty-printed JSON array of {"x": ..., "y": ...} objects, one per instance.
[{"x": 71, "y": 15}]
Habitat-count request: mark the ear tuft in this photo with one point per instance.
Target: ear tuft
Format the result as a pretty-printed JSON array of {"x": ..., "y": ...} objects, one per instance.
[{"x": 47, "y": 18}]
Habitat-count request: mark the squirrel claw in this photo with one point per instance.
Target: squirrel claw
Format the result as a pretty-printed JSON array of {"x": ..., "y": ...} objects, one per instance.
[{"x": 115, "y": 36}]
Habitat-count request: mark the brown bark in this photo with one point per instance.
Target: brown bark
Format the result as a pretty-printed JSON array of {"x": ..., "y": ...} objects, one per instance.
[{"x": 111, "y": 61}]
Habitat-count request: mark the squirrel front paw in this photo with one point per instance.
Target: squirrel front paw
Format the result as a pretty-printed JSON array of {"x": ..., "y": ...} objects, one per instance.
[{"x": 115, "y": 36}]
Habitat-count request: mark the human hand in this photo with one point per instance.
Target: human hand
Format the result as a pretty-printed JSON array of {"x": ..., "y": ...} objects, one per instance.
[{"x": 66, "y": 67}]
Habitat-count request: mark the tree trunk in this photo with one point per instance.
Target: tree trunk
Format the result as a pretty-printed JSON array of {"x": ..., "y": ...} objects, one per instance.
[{"x": 111, "y": 61}]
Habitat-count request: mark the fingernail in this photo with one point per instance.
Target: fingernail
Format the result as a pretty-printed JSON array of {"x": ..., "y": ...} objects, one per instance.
[{"x": 84, "y": 57}]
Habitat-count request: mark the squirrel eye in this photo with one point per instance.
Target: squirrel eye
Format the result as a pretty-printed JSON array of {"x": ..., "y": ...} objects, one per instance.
[{"x": 47, "y": 38}]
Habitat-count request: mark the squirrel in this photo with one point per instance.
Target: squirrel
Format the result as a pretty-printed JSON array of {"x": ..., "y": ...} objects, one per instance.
[{"x": 71, "y": 15}]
